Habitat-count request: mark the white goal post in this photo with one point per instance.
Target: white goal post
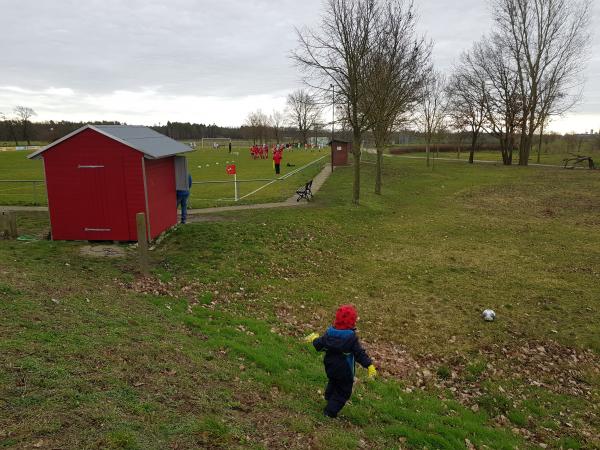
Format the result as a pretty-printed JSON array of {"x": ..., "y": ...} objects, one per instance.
[{"x": 212, "y": 141}]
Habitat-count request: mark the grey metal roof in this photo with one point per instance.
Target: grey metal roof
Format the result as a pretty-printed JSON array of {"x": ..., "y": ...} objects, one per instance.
[{"x": 153, "y": 144}]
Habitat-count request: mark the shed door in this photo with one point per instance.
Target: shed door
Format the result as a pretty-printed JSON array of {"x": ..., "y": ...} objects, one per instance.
[{"x": 103, "y": 206}]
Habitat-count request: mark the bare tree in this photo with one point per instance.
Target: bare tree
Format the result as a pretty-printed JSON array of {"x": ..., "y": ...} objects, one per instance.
[
  {"x": 23, "y": 114},
  {"x": 497, "y": 84},
  {"x": 432, "y": 107},
  {"x": 547, "y": 40},
  {"x": 337, "y": 52},
  {"x": 258, "y": 123},
  {"x": 466, "y": 102},
  {"x": 397, "y": 72},
  {"x": 303, "y": 112},
  {"x": 277, "y": 120}
]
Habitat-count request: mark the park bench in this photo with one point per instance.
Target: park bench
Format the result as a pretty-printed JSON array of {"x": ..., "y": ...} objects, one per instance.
[
  {"x": 305, "y": 192},
  {"x": 577, "y": 160}
]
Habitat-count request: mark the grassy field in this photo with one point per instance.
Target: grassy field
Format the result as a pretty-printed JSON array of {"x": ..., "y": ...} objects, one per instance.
[
  {"x": 204, "y": 164},
  {"x": 206, "y": 353},
  {"x": 552, "y": 158}
]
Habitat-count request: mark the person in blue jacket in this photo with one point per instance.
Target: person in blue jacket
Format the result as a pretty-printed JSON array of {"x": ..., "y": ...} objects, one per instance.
[
  {"x": 182, "y": 199},
  {"x": 342, "y": 348}
]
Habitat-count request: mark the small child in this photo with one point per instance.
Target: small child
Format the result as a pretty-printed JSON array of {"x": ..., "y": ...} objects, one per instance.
[{"x": 342, "y": 348}]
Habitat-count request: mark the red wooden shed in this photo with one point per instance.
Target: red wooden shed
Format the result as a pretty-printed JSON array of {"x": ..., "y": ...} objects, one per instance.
[
  {"x": 100, "y": 176},
  {"x": 339, "y": 152}
]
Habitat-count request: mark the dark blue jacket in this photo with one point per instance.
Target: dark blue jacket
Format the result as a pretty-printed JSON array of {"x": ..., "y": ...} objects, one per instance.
[{"x": 342, "y": 348}]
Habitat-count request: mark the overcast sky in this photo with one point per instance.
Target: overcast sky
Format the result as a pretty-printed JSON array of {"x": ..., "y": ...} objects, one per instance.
[{"x": 146, "y": 62}]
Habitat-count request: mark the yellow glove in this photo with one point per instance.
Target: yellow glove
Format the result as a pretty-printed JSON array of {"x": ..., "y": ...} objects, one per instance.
[
  {"x": 372, "y": 371},
  {"x": 311, "y": 337}
]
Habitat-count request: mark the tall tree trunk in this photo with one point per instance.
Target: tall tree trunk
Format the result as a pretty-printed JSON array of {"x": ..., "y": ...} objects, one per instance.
[
  {"x": 427, "y": 152},
  {"x": 539, "y": 150},
  {"x": 473, "y": 145},
  {"x": 504, "y": 151},
  {"x": 526, "y": 142},
  {"x": 356, "y": 142},
  {"x": 523, "y": 152},
  {"x": 378, "y": 170},
  {"x": 530, "y": 139},
  {"x": 523, "y": 144}
]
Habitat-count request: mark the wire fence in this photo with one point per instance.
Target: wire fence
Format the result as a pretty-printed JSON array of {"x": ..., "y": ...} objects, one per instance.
[
  {"x": 208, "y": 192},
  {"x": 204, "y": 193},
  {"x": 23, "y": 192}
]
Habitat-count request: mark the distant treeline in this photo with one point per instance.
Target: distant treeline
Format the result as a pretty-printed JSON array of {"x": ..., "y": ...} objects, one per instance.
[
  {"x": 13, "y": 130},
  {"x": 406, "y": 140},
  {"x": 18, "y": 132}
]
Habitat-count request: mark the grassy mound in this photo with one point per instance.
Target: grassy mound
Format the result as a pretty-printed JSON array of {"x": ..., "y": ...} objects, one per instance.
[{"x": 207, "y": 354}]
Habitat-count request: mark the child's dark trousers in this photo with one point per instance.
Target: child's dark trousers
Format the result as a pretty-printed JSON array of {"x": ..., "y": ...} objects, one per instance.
[{"x": 337, "y": 393}]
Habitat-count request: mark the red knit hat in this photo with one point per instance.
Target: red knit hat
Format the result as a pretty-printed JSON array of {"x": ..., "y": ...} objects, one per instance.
[{"x": 345, "y": 318}]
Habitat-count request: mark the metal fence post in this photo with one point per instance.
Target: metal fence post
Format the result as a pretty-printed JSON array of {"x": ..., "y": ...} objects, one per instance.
[
  {"x": 12, "y": 225},
  {"x": 8, "y": 224},
  {"x": 3, "y": 225},
  {"x": 34, "y": 194}
]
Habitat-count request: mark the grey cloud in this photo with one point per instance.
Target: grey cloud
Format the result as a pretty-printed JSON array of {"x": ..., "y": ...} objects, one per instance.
[
  {"x": 224, "y": 48},
  {"x": 221, "y": 48}
]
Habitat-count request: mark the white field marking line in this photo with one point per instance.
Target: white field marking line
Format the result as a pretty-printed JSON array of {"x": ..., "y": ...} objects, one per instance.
[
  {"x": 295, "y": 171},
  {"x": 260, "y": 188},
  {"x": 283, "y": 178}
]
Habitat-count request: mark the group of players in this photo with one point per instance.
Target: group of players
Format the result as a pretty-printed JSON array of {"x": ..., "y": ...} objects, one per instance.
[{"x": 261, "y": 151}]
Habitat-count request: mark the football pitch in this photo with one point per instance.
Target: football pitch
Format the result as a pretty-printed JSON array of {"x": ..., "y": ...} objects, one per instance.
[{"x": 21, "y": 179}]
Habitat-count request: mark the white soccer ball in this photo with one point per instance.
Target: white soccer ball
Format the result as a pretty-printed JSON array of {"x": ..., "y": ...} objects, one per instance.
[{"x": 488, "y": 315}]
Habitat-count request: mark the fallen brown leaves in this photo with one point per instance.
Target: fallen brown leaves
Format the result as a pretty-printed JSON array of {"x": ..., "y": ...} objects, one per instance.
[
  {"x": 521, "y": 365},
  {"x": 207, "y": 295}
]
